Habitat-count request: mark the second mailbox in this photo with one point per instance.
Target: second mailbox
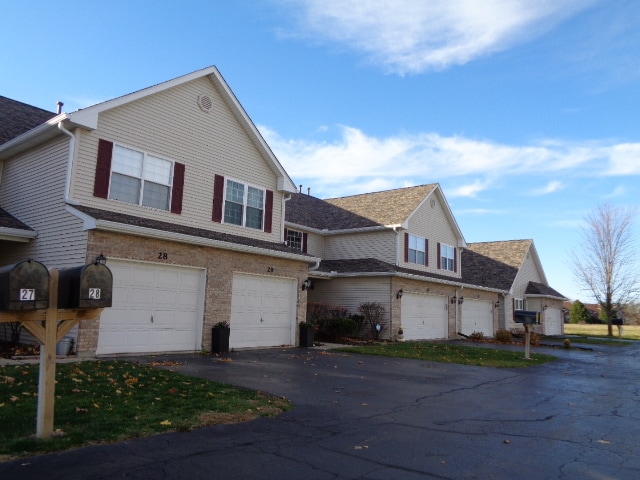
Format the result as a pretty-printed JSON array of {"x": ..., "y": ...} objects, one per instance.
[
  {"x": 525, "y": 317},
  {"x": 86, "y": 286}
]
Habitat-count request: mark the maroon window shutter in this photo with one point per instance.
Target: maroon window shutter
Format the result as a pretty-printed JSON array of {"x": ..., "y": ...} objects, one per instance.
[
  {"x": 438, "y": 253},
  {"x": 268, "y": 211},
  {"x": 426, "y": 252},
  {"x": 406, "y": 246},
  {"x": 455, "y": 260},
  {"x": 178, "y": 188},
  {"x": 103, "y": 169},
  {"x": 304, "y": 242},
  {"x": 218, "y": 189}
]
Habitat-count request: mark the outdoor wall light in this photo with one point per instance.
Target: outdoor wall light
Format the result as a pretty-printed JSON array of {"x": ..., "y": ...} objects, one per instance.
[
  {"x": 544, "y": 308},
  {"x": 460, "y": 300},
  {"x": 399, "y": 294},
  {"x": 454, "y": 299},
  {"x": 101, "y": 260},
  {"x": 307, "y": 284},
  {"x": 497, "y": 304}
]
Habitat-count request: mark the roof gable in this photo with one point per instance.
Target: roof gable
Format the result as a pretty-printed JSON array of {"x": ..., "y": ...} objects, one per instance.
[{"x": 87, "y": 118}]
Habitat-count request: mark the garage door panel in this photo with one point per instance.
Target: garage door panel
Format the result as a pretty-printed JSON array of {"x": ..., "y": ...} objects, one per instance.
[
  {"x": 143, "y": 292},
  {"x": 477, "y": 316},
  {"x": 424, "y": 316},
  {"x": 262, "y": 311}
]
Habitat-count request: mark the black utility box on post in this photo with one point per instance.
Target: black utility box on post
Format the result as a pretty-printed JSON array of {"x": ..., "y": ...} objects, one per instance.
[
  {"x": 24, "y": 286},
  {"x": 525, "y": 317},
  {"x": 86, "y": 286}
]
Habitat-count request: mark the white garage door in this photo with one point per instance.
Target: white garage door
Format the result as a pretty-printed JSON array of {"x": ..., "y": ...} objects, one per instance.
[
  {"x": 553, "y": 321},
  {"x": 156, "y": 308},
  {"x": 424, "y": 316},
  {"x": 263, "y": 311},
  {"x": 477, "y": 316}
]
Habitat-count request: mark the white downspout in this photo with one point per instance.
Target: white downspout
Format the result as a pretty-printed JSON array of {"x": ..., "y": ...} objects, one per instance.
[
  {"x": 72, "y": 147},
  {"x": 395, "y": 229}
]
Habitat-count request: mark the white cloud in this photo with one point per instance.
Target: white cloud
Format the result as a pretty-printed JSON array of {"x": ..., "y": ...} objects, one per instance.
[
  {"x": 357, "y": 163},
  {"x": 551, "y": 187},
  {"x": 409, "y": 36}
]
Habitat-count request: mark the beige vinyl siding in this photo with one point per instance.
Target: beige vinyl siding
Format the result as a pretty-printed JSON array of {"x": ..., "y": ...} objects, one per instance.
[
  {"x": 433, "y": 224},
  {"x": 380, "y": 245},
  {"x": 32, "y": 190},
  {"x": 351, "y": 292},
  {"x": 169, "y": 124},
  {"x": 528, "y": 272},
  {"x": 315, "y": 245}
]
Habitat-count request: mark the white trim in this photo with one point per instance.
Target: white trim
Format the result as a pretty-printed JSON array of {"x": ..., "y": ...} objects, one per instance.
[
  {"x": 345, "y": 231},
  {"x": 17, "y": 234}
]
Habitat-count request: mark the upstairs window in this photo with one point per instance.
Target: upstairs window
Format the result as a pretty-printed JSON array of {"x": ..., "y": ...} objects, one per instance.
[
  {"x": 417, "y": 250},
  {"x": 447, "y": 258},
  {"x": 140, "y": 178},
  {"x": 294, "y": 239},
  {"x": 518, "y": 303},
  {"x": 133, "y": 176},
  {"x": 244, "y": 205}
]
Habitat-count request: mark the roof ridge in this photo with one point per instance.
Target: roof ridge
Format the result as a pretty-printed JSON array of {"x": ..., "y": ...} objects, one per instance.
[{"x": 383, "y": 191}]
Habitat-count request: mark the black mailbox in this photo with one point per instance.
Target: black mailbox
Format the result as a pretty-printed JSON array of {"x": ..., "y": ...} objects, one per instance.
[
  {"x": 525, "y": 317},
  {"x": 86, "y": 286},
  {"x": 24, "y": 286},
  {"x": 616, "y": 321}
]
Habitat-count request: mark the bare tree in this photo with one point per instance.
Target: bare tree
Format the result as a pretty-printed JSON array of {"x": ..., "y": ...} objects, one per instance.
[{"x": 604, "y": 266}]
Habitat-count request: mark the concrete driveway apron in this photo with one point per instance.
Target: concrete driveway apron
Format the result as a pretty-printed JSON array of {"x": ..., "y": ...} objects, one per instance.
[{"x": 362, "y": 417}]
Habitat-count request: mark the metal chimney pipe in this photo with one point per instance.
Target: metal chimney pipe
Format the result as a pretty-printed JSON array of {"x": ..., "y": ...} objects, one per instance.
[{"x": 59, "y": 109}]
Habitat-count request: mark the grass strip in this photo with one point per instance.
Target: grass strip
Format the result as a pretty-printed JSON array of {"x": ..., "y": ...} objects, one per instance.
[
  {"x": 109, "y": 401},
  {"x": 447, "y": 353}
]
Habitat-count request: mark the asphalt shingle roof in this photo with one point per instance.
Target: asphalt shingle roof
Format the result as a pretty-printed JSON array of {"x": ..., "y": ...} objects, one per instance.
[
  {"x": 478, "y": 269},
  {"x": 391, "y": 207},
  {"x": 17, "y": 118},
  {"x": 183, "y": 229},
  {"x": 9, "y": 221},
  {"x": 315, "y": 213},
  {"x": 535, "y": 288},
  {"x": 509, "y": 252}
]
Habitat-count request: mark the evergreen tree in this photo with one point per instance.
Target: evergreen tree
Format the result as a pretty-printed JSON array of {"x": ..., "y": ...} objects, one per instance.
[{"x": 578, "y": 313}]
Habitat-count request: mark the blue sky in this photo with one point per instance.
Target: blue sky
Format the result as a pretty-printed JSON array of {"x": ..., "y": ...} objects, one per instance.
[{"x": 525, "y": 112}]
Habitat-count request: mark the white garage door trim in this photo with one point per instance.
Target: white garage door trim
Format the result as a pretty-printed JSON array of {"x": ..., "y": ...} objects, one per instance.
[
  {"x": 263, "y": 311},
  {"x": 477, "y": 316},
  {"x": 156, "y": 308},
  {"x": 424, "y": 316}
]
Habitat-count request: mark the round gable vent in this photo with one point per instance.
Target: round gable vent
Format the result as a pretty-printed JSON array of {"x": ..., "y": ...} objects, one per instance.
[{"x": 205, "y": 103}]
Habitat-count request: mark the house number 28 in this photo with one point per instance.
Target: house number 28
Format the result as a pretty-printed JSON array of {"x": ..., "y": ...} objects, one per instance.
[{"x": 162, "y": 256}]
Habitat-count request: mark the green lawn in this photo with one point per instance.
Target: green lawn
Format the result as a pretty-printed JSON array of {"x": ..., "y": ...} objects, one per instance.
[
  {"x": 630, "y": 332},
  {"x": 448, "y": 353},
  {"x": 107, "y": 401}
]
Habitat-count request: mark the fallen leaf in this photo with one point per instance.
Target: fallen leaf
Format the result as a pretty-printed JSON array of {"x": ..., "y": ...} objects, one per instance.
[
  {"x": 506, "y": 442},
  {"x": 606, "y": 442},
  {"x": 363, "y": 447},
  {"x": 165, "y": 422},
  {"x": 81, "y": 410},
  {"x": 14, "y": 399}
]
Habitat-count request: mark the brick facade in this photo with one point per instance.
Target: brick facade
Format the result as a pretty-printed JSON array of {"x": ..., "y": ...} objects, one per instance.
[{"x": 220, "y": 266}]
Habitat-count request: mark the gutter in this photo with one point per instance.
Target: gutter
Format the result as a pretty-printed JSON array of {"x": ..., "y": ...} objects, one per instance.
[{"x": 17, "y": 234}]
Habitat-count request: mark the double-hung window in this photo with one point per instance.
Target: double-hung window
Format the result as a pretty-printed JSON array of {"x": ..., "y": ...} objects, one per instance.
[
  {"x": 518, "y": 304},
  {"x": 447, "y": 257},
  {"x": 244, "y": 205},
  {"x": 140, "y": 178},
  {"x": 417, "y": 250}
]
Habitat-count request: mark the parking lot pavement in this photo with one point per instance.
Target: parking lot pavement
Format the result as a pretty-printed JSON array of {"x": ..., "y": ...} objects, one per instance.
[{"x": 362, "y": 417}]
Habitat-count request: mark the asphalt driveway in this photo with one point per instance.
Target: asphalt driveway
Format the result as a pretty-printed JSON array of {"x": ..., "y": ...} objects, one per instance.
[{"x": 361, "y": 417}]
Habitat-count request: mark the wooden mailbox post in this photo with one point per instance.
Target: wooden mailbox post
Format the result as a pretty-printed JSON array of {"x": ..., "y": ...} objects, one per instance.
[{"x": 49, "y": 325}]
